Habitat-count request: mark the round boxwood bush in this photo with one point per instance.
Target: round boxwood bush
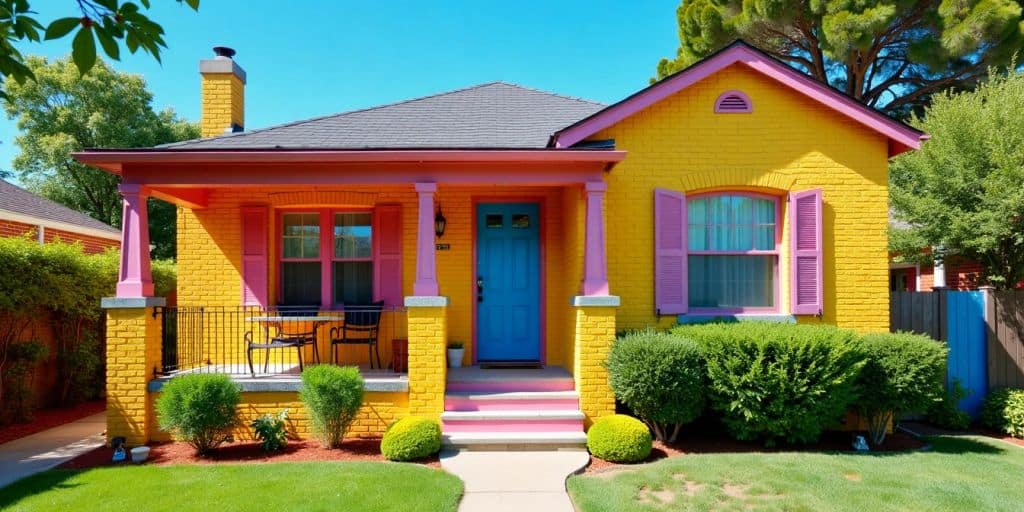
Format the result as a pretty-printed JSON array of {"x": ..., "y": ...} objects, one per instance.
[
  {"x": 200, "y": 409},
  {"x": 333, "y": 396},
  {"x": 660, "y": 377},
  {"x": 411, "y": 438},
  {"x": 619, "y": 438},
  {"x": 1003, "y": 410}
]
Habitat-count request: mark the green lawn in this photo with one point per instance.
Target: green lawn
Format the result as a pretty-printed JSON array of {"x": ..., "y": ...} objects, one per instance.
[
  {"x": 959, "y": 473},
  {"x": 349, "y": 486}
]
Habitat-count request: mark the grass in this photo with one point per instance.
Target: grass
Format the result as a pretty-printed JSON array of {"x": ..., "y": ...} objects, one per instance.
[
  {"x": 958, "y": 473},
  {"x": 350, "y": 486}
]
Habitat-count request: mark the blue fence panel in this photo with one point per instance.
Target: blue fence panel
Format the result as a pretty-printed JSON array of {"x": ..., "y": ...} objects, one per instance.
[{"x": 965, "y": 317}]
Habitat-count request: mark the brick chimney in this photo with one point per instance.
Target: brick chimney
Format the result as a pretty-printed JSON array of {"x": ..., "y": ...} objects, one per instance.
[{"x": 223, "y": 94}]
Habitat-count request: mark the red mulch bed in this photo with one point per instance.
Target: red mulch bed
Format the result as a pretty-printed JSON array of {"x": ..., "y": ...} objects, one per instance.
[
  {"x": 245, "y": 453},
  {"x": 714, "y": 440},
  {"x": 44, "y": 419}
]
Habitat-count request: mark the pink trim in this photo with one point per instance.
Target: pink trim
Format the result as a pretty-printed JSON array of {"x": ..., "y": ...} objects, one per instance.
[
  {"x": 775, "y": 273},
  {"x": 114, "y": 160},
  {"x": 134, "y": 277},
  {"x": 902, "y": 138},
  {"x": 595, "y": 270},
  {"x": 542, "y": 208},
  {"x": 426, "y": 261},
  {"x": 748, "y": 105},
  {"x": 798, "y": 308}
]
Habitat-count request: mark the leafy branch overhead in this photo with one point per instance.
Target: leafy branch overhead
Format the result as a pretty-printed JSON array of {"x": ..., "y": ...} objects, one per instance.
[{"x": 110, "y": 22}]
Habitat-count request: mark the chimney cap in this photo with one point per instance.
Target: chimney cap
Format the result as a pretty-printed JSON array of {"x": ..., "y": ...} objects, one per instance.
[{"x": 224, "y": 51}]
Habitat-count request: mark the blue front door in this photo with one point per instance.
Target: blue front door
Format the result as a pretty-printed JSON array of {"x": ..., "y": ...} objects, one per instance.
[{"x": 508, "y": 282}]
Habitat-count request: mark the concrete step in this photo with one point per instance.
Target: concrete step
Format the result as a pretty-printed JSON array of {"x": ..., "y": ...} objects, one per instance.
[
  {"x": 515, "y": 440},
  {"x": 512, "y": 421},
  {"x": 512, "y": 401}
]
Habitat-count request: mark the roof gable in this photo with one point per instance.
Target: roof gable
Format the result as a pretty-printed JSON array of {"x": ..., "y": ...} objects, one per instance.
[{"x": 901, "y": 137}]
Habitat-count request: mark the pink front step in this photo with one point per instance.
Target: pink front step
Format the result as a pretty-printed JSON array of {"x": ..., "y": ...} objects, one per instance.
[
  {"x": 456, "y": 403},
  {"x": 538, "y": 425},
  {"x": 505, "y": 386}
]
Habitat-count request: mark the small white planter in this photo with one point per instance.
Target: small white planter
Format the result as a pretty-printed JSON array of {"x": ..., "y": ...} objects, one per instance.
[
  {"x": 140, "y": 454},
  {"x": 455, "y": 357}
]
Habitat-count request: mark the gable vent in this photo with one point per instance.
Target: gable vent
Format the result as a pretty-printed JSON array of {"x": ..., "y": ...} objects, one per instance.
[{"x": 733, "y": 102}]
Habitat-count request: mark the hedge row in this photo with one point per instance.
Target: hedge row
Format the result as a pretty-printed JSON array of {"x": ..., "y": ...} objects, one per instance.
[{"x": 772, "y": 381}]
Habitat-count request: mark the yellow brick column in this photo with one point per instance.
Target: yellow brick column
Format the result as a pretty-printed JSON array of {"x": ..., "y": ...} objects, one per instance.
[
  {"x": 133, "y": 357},
  {"x": 428, "y": 339},
  {"x": 594, "y": 334}
]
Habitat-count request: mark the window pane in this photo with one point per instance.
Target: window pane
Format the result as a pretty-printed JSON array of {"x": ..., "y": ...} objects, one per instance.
[
  {"x": 731, "y": 281},
  {"x": 352, "y": 235},
  {"x": 353, "y": 282},
  {"x": 300, "y": 283}
]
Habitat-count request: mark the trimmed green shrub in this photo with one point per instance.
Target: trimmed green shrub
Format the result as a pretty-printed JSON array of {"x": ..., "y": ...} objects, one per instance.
[
  {"x": 200, "y": 409},
  {"x": 271, "y": 430},
  {"x": 619, "y": 438},
  {"x": 946, "y": 414},
  {"x": 1003, "y": 410},
  {"x": 660, "y": 377},
  {"x": 903, "y": 373},
  {"x": 411, "y": 438},
  {"x": 333, "y": 396},
  {"x": 778, "y": 382}
]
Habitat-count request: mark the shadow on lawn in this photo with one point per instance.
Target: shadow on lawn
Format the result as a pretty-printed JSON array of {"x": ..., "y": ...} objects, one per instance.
[{"x": 36, "y": 484}]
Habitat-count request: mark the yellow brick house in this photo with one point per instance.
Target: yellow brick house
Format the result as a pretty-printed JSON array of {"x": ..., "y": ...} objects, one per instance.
[{"x": 528, "y": 226}]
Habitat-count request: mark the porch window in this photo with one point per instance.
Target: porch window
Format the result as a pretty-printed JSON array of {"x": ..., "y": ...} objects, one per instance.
[
  {"x": 732, "y": 256},
  {"x": 326, "y": 249}
]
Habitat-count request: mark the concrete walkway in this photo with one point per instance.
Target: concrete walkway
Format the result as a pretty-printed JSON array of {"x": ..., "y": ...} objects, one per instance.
[
  {"x": 38, "y": 452},
  {"x": 514, "y": 480}
]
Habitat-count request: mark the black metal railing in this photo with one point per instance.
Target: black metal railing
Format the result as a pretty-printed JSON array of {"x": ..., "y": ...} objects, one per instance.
[{"x": 224, "y": 339}]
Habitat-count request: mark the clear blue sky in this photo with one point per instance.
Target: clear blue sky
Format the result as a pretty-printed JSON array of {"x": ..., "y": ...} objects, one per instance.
[{"x": 306, "y": 58}]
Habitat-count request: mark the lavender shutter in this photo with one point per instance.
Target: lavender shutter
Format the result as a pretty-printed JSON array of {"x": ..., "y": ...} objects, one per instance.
[
  {"x": 670, "y": 289},
  {"x": 805, "y": 252},
  {"x": 254, "y": 256},
  {"x": 387, "y": 268}
]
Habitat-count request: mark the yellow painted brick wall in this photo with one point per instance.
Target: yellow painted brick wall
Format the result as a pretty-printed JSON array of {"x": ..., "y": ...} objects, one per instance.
[
  {"x": 595, "y": 332},
  {"x": 788, "y": 143},
  {"x": 133, "y": 354},
  {"x": 378, "y": 411},
  {"x": 428, "y": 339},
  {"x": 223, "y": 97}
]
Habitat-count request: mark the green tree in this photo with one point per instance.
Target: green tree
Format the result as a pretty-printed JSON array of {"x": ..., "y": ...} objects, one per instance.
[
  {"x": 889, "y": 54},
  {"x": 61, "y": 112},
  {"x": 110, "y": 22},
  {"x": 962, "y": 191}
]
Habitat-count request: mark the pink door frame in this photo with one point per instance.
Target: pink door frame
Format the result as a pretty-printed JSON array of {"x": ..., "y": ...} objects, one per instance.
[{"x": 541, "y": 203}]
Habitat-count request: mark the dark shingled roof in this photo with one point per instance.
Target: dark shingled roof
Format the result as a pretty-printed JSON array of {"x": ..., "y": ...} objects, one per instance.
[
  {"x": 18, "y": 200},
  {"x": 491, "y": 115}
]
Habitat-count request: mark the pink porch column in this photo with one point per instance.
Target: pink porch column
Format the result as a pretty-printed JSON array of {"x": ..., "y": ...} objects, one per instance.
[
  {"x": 595, "y": 268},
  {"x": 426, "y": 264},
  {"x": 135, "y": 279}
]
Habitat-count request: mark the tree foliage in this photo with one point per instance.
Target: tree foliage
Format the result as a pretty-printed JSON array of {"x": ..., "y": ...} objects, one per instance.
[
  {"x": 889, "y": 54},
  {"x": 61, "y": 112},
  {"x": 109, "y": 22},
  {"x": 961, "y": 192}
]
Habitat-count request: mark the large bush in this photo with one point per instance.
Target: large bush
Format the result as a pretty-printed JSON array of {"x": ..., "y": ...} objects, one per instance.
[
  {"x": 778, "y": 382},
  {"x": 333, "y": 396},
  {"x": 902, "y": 373},
  {"x": 200, "y": 409},
  {"x": 411, "y": 438},
  {"x": 619, "y": 438},
  {"x": 660, "y": 377},
  {"x": 1003, "y": 410}
]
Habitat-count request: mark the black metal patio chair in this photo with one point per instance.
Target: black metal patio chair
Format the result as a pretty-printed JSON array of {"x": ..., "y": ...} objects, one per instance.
[{"x": 361, "y": 327}]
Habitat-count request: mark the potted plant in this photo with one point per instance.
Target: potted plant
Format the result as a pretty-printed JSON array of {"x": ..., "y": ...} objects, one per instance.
[{"x": 455, "y": 352}]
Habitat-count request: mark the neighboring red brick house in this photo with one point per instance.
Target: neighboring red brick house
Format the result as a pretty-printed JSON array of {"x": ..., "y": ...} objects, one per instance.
[{"x": 23, "y": 212}]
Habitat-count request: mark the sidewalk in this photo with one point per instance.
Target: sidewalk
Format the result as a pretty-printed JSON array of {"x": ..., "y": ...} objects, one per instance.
[
  {"x": 49, "y": 448},
  {"x": 514, "y": 480}
]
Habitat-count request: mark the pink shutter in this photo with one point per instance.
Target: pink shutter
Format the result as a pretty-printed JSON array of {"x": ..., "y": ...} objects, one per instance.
[
  {"x": 254, "y": 256},
  {"x": 387, "y": 267},
  {"x": 670, "y": 289},
  {"x": 805, "y": 252}
]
